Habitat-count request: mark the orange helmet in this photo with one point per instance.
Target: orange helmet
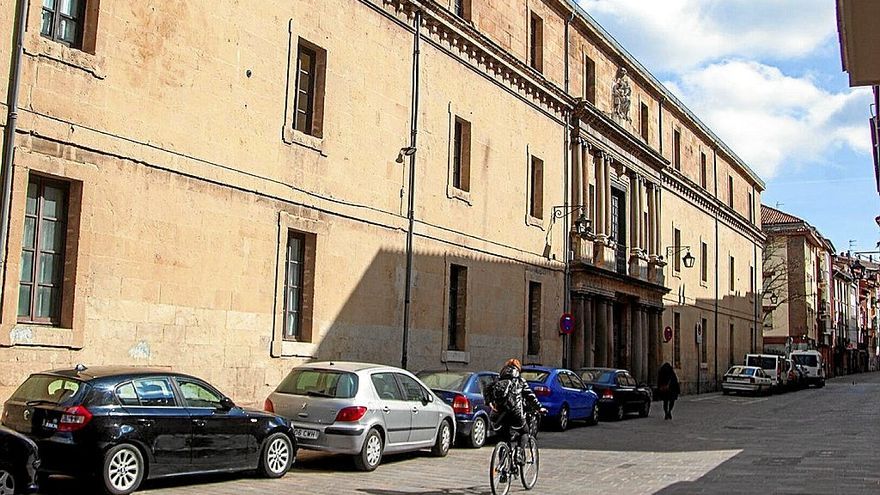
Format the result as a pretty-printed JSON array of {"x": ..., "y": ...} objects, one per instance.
[{"x": 514, "y": 362}]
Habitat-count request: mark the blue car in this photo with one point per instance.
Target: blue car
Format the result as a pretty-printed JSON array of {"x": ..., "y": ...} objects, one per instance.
[
  {"x": 563, "y": 394},
  {"x": 463, "y": 390}
]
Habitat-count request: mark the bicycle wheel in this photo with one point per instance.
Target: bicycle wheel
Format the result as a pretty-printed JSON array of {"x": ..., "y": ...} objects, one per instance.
[
  {"x": 499, "y": 469},
  {"x": 528, "y": 474}
]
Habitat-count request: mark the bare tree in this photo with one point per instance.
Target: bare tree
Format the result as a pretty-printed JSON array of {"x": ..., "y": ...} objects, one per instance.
[{"x": 776, "y": 269}]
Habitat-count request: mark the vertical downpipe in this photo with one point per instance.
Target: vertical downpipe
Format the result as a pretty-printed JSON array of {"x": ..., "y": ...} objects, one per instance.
[
  {"x": 412, "y": 183},
  {"x": 717, "y": 280},
  {"x": 566, "y": 283},
  {"x": 9, "y": 134}
]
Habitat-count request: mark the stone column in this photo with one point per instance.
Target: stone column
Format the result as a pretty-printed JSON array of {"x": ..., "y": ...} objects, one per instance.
[
  {"x": 607, "y": 171},
  {"x": 652, "y": 224},
  {"x": 589, "y": 329},
  {"x": 599, "y": 217},
  {"x": 609, "y": 334},
  {"x": 653, "y": 346},
  {"x": 633, "y": 211},
  {"x": 636, "y": 366},
  {"x": 658, "y": 204},
  {"x": 576, "y": 172},
  {"x": 601, "y": 332},
  {"x": 585, "y": 181},
  {"x": 628, "y": 336},
  {"x": 643, "y": 245},
  {"x": 645, "y": 346},
  {"x": 577, "y": 336}
]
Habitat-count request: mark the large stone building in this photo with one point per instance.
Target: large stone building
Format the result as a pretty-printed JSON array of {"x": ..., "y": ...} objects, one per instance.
[{"x": 227, "y": 192}]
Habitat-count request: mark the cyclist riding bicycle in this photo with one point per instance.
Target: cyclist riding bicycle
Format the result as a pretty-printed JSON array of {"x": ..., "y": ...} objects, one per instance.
[{"x": 511, "y": 399}]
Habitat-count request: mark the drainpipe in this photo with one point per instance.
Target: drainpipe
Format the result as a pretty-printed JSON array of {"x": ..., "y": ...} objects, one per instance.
[
  {"x": 412, "y": 183},
  {"x": 9, "y": 134},
  {"x": 715, "y": 175},
  {"x": 566, "y": 282}
]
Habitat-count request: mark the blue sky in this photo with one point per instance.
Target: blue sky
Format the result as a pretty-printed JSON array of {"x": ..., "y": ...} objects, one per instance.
[{"x": 766, "y": 76}]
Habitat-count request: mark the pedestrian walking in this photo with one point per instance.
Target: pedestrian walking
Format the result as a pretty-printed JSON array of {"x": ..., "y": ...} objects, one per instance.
[{"x": 667, "y": 382}]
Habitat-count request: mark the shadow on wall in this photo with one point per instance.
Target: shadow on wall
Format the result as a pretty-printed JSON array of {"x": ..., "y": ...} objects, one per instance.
[
  {"x": 466, "y": 311},
  {"x": 739, "y": 332}
]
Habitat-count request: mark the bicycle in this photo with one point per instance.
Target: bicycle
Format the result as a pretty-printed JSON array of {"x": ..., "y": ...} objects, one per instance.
[{"x": 505, "y": 465}]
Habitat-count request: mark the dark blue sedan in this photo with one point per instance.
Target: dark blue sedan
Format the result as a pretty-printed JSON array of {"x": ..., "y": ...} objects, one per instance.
[
  {"x": 463, "y": 390},
  {"x": 564, "y": 395}
]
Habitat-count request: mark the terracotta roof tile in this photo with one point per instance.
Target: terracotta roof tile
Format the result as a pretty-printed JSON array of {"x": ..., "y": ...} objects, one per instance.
[{"x": 772, "y": 215}]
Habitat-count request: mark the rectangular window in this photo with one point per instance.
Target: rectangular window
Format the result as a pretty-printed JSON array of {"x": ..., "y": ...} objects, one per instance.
[
  {"x": 676, "y": 344},
  {"x": 42, "y": 251},
  {"x": 309, "y": 107},
  {"x": 676, "y": 149},
  {"x": 457, "y": 307},
  {"x": 704, "y": 262},
  {"x": 751, "y": 281},
  {"x": 751, "y": 209},
  {"x": 730, "y": 346},
  {"x": 536, "y": 184},
  {"x": 704, "y": 172},
  {"x": 589, "y": 79},
  {"x": 676, "y": 244},
  {"x": 536, "y": 52},
  {"x": 704, "y": 345},
  {"x": 732, "y": 274},
  {"x": 643, "y": 121},
  {"x": 730, "y": 191},
  {"x": 461, "y": 155},
  {"x": 63, "y": 20},
  {"x": 293, "y": 286},
  {"x": 534, "y": 318},
  {"x": 462, "y": 8}
]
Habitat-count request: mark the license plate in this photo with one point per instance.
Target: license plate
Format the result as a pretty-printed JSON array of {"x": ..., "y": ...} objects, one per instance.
[
  {"x": 739, "y": 380},
  {"x": 306, "y": 434},
  {"x": 50, "y": 425}
]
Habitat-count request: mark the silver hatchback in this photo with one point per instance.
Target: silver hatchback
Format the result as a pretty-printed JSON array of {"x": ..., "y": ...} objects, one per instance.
[{"x": 364, "y": 410}]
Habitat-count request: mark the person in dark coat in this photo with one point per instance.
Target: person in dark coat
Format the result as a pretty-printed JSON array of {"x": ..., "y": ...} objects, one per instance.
[{"x": 667, "y": 383}]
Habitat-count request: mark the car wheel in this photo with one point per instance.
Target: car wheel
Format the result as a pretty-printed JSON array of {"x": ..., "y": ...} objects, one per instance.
[
  {"x": 277, "y": 456},
  {"x": 821, "y": 384},
  {"x": 444, "y": 440},
  {"x": 725, "y": 391},
  {"x": 478, "y": 433},
  {"x": 7, "y": 481},
  {"x": 645, "y": 410},
  {"x": 594, "y": 415},
  {"x": 371, "y": 452},
  {"x": 562, "y": 422},
  {"x": 620, "y": 413},
  {"x": 124, "y": 469}
]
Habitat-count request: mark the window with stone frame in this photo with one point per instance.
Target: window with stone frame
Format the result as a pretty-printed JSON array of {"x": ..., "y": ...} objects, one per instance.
[
  {"x": 589, "y": 89},
  {"x": 704, "y": 262},
  {"x": 676, "y": 149},
  {"x": 751, "y": 208},
  {"x": 643, "y": 121},
  {"x": 704, "y": 345},
  {"x": 42, "y": 252},
  {"x": 311, "y": 63},
  {"x": 730, "y": 191},
  {"x": 461, "y": 155},
  {"x": 534, "y": 335},
  {"x": 462, "y": 8},
  {"x": 457, "y": 317},
  {"x": 536, "y": 188},
  {"x": 731, "y": 344},
  {"x": 676, "y": 340},
  {"x": 299, "y": 273},
  {"x": 63, "y": 21},
  {"x": 732, "y": 275},
  {"x": 676, "y": 244},
  {"x": 704, "y": 172},
  {"x": 536, "y": 43}
]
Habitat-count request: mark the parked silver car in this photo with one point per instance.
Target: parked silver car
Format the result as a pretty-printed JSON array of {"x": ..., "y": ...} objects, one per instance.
[{"x": 364, "y": 410}]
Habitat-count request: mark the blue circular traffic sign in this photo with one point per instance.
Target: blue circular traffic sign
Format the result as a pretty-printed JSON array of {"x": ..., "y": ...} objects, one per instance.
[{"x": 566, "y": 324}]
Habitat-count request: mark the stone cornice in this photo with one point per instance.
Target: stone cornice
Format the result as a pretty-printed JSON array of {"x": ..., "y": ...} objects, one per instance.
[{"x": 687, "y": 189}]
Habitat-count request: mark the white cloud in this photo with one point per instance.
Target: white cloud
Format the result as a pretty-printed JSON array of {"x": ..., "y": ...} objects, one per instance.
[
  {"x": 681, "y": 34},
  {"x": 770, "y": 119}
]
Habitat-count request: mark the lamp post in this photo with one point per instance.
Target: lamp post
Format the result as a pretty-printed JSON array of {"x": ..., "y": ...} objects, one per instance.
[
  {"x": 582, "y": 226},
  {"x": 688, "y": 259}
]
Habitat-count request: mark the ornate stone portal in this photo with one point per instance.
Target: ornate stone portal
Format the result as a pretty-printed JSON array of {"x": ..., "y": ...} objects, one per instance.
[{"x": 622, "y": 95}]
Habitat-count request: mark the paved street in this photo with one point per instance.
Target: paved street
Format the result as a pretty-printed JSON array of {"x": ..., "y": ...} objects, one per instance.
[{"x": 812, "y": 441}]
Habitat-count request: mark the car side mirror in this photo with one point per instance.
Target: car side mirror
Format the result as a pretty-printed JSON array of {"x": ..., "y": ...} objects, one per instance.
[
  {"x": 427, "y": 399},
  {"x": 226, "y": 404},
  {"x": 589, "y": 387}
]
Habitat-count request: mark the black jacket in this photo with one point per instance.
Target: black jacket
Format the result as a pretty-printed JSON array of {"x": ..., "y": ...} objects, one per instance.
[
  {"x": 667, "y": 383},
  {"x": 519, "y": 396}
]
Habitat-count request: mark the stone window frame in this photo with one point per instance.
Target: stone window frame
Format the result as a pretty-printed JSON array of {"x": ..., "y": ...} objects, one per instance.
[
  {"x": 68, "y": 333},
  {"x": 456, "y": 331},
  {"x": 452, "y": 192},
  {"x": 704, "y": 263},
  {"x": 313, "y": 140},
  {"x": 533, "y": 320},
  {"x": 644, "y": 116},
  {"x": 534, "y": 275},
  {"x": 315, "y": 232},
  {"x": 536, "y": 41},
  {"x": 676, "y": 256},
  {"x": 676, "y": 148},
  {"x": 461, "y": 355},
  {"x": 533, "y": 199},
  {"x": 704, "y": 170},
  {"x": 676, "y": 339},
  {"x": 86, "y": 56},
  {"x": 704, "y": 345},
  {"x": 731, "y": 267},
  {"x": 589, "y": 82},
  {"x": 462, "y": 9}
]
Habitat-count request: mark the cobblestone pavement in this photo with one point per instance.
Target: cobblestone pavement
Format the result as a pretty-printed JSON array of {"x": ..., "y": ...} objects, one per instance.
[{"x": 812, "y": 441}]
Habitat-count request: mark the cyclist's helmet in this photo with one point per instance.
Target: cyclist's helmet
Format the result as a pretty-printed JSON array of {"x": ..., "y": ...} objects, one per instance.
[{"x": 511, "y": 369}]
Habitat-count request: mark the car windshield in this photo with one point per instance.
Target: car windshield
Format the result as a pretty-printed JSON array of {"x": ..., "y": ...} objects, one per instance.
[
  {"x": 444, "y": 380},
  {"x": 534, "y": 375},
  {"x": 598, "y": 376},
  {"x": 49, "y": 389},
  {"x": 320, "y": 383},
  {"x": 806, "y": 360}
]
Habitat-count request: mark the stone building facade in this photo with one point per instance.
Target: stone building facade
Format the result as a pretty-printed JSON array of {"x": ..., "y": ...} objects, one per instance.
[{"x": 225, "y": 192}]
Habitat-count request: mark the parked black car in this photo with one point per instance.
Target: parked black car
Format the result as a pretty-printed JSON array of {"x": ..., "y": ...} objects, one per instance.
[
  {"x": 19, "y": 461},
  {"x": 618, "y": 392},
  {"x": 122, "y": 425}
]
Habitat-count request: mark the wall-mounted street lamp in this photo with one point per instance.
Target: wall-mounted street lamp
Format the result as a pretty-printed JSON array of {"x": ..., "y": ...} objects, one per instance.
[
  {"x": 774, "y": 299},
  {"x": 688, "y": 259},
  {"x": 407, "y": 151},
  {"x": 582, "y": 225}
]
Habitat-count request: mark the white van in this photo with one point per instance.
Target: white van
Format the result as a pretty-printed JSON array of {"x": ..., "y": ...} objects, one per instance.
[
  {"x": 811, "y": 362},
  {"x": 773, "y": 366}
]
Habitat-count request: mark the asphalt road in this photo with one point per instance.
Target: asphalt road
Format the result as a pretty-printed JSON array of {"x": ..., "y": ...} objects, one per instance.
[{"x": 813, "y": 441}]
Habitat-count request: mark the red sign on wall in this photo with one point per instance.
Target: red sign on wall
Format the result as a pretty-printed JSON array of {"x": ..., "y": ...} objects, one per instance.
[{"x": 667, "y": 334}]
